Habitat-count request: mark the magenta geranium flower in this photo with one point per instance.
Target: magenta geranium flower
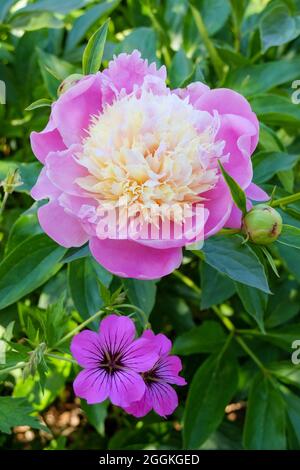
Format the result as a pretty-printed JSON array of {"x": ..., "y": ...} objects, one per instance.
[
  {"x": 112, "y": 360},
  {"x": 159, "y": 395},
  {"x": 121, "y": 139}
]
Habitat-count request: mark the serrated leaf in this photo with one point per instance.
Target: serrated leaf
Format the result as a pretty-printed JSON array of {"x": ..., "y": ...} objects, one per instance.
[{"x": 17, "y": 412}]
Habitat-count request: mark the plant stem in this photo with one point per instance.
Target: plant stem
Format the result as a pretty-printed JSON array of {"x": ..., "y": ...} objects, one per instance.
[
  {"x": 20, "y": 365},
  {"x": 3, "y": 203},
  {"x": 78, "y": 328},
  {"x": 134, "y": 307},
  {"x": 286, "y": 200},
  {"x": 187, "y": 281},
  {"x": 250, "y": 353},
  {"x": 215, "y": 58},
  {"x": 60, "y": 358}
]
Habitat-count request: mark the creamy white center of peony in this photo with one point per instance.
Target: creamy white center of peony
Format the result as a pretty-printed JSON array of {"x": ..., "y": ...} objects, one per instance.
[{"x": 151, "y": 152}]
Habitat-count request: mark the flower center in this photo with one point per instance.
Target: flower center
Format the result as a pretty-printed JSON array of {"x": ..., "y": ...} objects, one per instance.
[
  {"x": 150, "y": 153},
  {"x": 111, "y": 362}
]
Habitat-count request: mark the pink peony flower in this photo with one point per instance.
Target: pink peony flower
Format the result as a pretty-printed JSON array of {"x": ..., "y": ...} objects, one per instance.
[
  {"x": 112, "y": 360},
  {"x": 122, "y": 139},
  {"x": 159, "y": 395}
]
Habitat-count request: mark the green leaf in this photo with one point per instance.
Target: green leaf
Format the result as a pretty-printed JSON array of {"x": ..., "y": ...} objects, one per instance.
[
  {"x": 92, "y": 56},
  {"x": 181, "y": 68},
  {"x": 267, "y": 164},
  {"x": 265, "y": 419},
  {"x": 290, "y": 236},
  {"x": 276, "y": 110},
  {"x": 283, "y": 305},
  {"x": 141, "y": 293},
  {"x": 208, "y": 8},
  {"x": 238, "y": 261},
  {"x": 293, "y": 410},
  {"x": 55, "y": 6},
  {"x": 277, "y": 26},
  {"x": 39, "y": 104},
  {"x": 144, "y": 39},
  {"x": 24, "y": 227},
  {"x": 96, "y": 415},
  {"x": 212, "y": 388},
  {"x": 27, "y": 267},
  {"x": 215, "y": 286},
  {"x": 206, "y": 338},
  {"x": 291, "y": 258},
  {"x": 236, "y": 191},
  {"x": 17, "y": 412},
  {"x": 83, "y": 277},
  {"x": 254, "y": 301},
  {"x": 4, "y": 8},
  {"x": 84, "y": 23},
  {"x": 254, "y": 79}
]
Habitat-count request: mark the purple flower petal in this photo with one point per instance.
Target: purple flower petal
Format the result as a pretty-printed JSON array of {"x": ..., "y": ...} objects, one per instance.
[
  {"x": 85, "y": 348},
  {"x": 169, "y": 368},
  {"x": 140, "y": 356},
  {"x": 116, "y": 333},
  {"x": 92, "y": 385},
  {"x": 126, "y": 386},
  {"x": 164, "y": 398}
]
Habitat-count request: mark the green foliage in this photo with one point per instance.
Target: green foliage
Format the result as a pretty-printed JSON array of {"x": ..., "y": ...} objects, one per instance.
[{"x": 232, "y": 310}]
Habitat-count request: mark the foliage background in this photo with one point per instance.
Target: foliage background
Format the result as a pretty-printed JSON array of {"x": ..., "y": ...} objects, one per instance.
[{"x": 235, "y": 337}]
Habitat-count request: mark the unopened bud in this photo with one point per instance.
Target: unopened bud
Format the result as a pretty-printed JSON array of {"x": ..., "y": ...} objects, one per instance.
[
  {"x": 68, "y": 82},
  {"x": 262, "y": 224},
  {"x": 12, "y": 181}
]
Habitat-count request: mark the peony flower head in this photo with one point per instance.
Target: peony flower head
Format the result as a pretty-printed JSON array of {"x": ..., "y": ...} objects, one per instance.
[
  {"x": 159, "y": 395},
  {"x": 112, "y": 360},
  {"x": 129, "y": 162}
]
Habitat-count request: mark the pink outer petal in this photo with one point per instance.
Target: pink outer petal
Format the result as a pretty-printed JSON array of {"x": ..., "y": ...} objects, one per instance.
[
  {"x": 73, "y": 111},
  {"x": 164, "y": 398},
  {"x": 128, "y": 71},
  {"x": 65, "y": 229},
  {"x": 255, "y": 193},
  {"x": 43, "y": 188},
  {"x": 227, "y": 101},
  {"x": 169, "y": 369},
  {"x": 140, "y": 356},
  {"x": 92, "y": 385},
  {"x": 63, "y": 169},
  {"x": 193, "y": 91},
  {"x": 129, "y": 259},
  {"x": 161, "y": 342},
  {"x": 142, "y": 407},
  {"x": 237, "y": 132},
  {"x": 116, "y": 332},
  {"x": 126, "y": 386},
  {"x": 85, "y": 348},
  {"x": 219, "y": 203},
  {"x": 48, "y": 140}
]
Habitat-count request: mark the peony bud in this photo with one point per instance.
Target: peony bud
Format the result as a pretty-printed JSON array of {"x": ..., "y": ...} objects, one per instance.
[
  {"x": 68, "y": 82},
  {"x": 262, "y": 224}
]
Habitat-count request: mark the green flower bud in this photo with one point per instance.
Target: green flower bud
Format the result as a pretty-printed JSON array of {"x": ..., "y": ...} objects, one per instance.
[
  {"x": 262, "y": 224},
  {"x": 68, "y": 82}
]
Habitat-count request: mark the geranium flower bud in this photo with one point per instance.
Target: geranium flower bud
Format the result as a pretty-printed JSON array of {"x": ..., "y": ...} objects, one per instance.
[
  {"x": 262, "y": 224},
  {"x": 68, "y": 82}
]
